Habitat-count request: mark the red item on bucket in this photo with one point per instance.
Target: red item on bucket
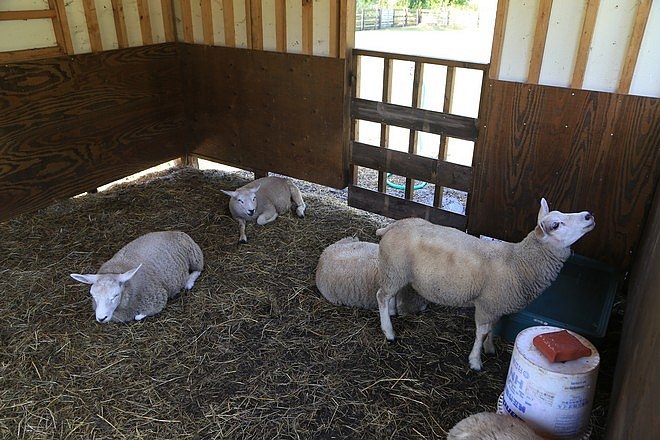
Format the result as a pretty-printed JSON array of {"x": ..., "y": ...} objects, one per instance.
[{"x": 560, "y": 346}]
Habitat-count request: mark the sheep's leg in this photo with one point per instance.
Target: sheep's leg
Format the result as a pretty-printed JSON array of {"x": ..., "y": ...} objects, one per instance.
[
  {"x": 483, "y": 330},
  {"x": 391, "y": 305},
  {"x": 192, "y": 278},
  {"x": 383, "y": 308},
  {"x": 489, "y": 346},
  {"x": 298, "y": 200},
  {"x": 241, "y": 228},
  {"x": 267, "y": 217}
]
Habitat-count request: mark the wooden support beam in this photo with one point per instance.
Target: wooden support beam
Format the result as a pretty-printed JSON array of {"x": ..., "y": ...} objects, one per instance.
[
  {"x": 444, "y": 140},
  {"x": 27, "y": 15},
  {"x": 120, "y": 23},
  {"x": 280, "y": 26},
  {"x": 207, "y": 22},
  {"x": 61, "y": 26},
  {"x": 333, "y": 39},
  {"x": 346, "y": 27},
  {"x": 95, "y": 42},
  {"x": 168, "y": 20},
  {"x": 307, "y": 27},
  {"x": 187, "y": 22},
  {"x": 145, "y": 22},
  {"x": 256, "y": 25},
  {"x": 582, "y": 57},
  {"x": 630, "y": 62},
  {"x": 413, "y": 136},
  {"x": 540, "y": 37},
  {"x": 228, "y": 15},
  {"x": 384, "y": 128},
  {"x": 498, "y": 38},
  {"x": 30, "y": 54}
]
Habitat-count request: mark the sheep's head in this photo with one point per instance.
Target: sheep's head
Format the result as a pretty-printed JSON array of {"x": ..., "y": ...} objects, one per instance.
[
  {"x": 561, "y": 229},
  {"x": 106, "y": 291},
  {"x": 244, "y": 201}
]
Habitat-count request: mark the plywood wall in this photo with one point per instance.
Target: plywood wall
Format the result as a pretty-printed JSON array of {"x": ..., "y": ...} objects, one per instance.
[{"x": 601, "y": 45}]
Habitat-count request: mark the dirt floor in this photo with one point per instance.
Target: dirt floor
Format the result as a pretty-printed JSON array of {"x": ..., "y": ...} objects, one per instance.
[{"x": 252, "y": 351}]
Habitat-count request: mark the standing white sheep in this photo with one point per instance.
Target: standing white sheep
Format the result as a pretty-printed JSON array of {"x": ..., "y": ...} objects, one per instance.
[
  {"x": 491, "y": 426},
  {"x": 449, "y": 267},
  {"x": 347, "y": 274},
  {"x": 143, "y": 275},
  {"x": 262, "y": 200}
]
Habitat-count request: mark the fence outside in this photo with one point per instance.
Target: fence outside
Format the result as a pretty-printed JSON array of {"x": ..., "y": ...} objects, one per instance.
[{"x": 371, "y": 19}]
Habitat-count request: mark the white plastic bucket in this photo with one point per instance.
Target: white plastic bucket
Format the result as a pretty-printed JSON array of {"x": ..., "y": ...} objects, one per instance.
[{"x": 555, "y": 399}]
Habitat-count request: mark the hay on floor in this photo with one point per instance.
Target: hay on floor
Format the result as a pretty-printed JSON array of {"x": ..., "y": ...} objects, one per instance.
[{"x": 252, "y": 351}]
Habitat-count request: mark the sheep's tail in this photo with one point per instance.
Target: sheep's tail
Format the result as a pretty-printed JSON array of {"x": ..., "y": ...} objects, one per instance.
[{"x": 381, "y": 231}]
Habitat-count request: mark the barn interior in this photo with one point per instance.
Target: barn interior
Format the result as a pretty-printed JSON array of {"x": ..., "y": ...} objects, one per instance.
[{"x": 93, "y": 91}]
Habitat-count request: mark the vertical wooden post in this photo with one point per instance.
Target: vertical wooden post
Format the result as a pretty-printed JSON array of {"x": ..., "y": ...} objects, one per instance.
[
  {"x": 414, "y": 137},
  {"x": 442, "y": 150},
  {"x": 168, "y": 20},
  {"x": 630, "y": 62},
  {"x": 120, "y": 23},
  {"x": 187, "y": 22},
  {"x": 61, "y": 26},
  {"x": 588, "y": 26},
  {"x": 228, "y": 16},
  {"x": 353, "y": 73},
  {"x": 280, "y": 25},
  {"x": 256, "y": 25},
  {"x": 95, "y": 42},
  {"x": 333, "y": 38},
  {"x": 145, "y": 22},
  {"x": 307, "y": 26},
  {"x": 207, "y": 22},
  {"x": 540, "y": 37},
  {"x": 498, "y": 37},
  {"x": 388, "y": 64}
]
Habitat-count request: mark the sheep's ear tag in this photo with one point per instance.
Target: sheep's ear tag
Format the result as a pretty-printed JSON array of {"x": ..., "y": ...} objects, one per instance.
[{"x": 128, "y": 275}]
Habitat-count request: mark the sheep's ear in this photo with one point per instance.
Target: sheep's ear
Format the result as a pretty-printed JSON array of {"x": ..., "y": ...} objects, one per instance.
[
  {"x": 86, "y": 278},
  {"x": 231, "y": 194},
  {"x": 543, "y": 211},
  {"x": 128, "y": 275}
]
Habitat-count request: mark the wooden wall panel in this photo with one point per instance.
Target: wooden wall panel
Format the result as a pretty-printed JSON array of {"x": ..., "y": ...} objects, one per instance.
[
  {"x": 634, "y": 399},
  {"x": 70, "y": 124},
  {"x": 267, "y": 111},
  {"x": 581, "y": 150}
]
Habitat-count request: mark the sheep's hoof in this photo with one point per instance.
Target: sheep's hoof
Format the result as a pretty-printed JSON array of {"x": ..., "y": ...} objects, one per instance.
[
  {"x": 391, "y": 341},
  {"x": 242, "y": 241}
]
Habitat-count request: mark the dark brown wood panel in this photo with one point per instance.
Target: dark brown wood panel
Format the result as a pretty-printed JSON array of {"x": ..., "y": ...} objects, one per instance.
[
  {"x": 444, "y": 124},
  {"x": 579, "y": 149},
  {"x": 417, "y": 167},
  {"x": 70, "y": 124},
  {"x": 398, "y": 208},
  {"x": 634, "y": 407},
  {"x": 268, "y": 111}
]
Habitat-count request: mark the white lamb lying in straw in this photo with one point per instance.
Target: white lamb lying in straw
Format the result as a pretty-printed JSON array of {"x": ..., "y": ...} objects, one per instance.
[
  {"x": 347, "y": 275},
  {"x": 140, "y": 278},
  {"x": 452, "y": 268},
  {"x": 491, "y": 426},
  {"x": 262, "y": 200}
]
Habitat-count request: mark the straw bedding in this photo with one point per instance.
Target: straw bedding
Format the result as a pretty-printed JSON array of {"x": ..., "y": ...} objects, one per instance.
[{"x": 252, "y": 351}]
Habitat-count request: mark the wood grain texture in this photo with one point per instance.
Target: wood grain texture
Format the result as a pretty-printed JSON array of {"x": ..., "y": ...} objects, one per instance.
[
  {"x": 584, "y": 48},
  {"x": 75, "y": 123},
  {"x": 120, "y": 23},
  {"x": 580, "y": 150},
  {"x": 460, "y": 127},
  {"x": 228, "y": 18},
  {"x": 398, "y": 208},
  {"x": 265, "y": 110},
  {"x": 145, "y": 22},
  {"x": 207, "y": 21},
  {"x": 93, "y": 30},
  {"x": 168, "y": 20},
  {"x": 187, "y": 21}
]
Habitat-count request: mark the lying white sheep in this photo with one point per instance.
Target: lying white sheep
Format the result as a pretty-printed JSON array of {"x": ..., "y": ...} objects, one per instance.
[
  {"x": 140, "y": 278},
  {"x": 347, "y": 275},
  {"x": 491, "y": 426},
  {"x": 262, "y": 200},
  {"x": 452, "y": 268}
]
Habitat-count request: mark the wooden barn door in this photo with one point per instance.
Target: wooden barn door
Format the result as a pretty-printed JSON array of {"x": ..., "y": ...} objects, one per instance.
[{"x": 411, "y": 152}]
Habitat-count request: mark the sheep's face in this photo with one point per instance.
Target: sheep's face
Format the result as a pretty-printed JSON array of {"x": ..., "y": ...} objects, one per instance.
[
  {"x": 106, "y": 291},
  {"x": 560, "y": 229},
  {"x": 244, "y": 201}
]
